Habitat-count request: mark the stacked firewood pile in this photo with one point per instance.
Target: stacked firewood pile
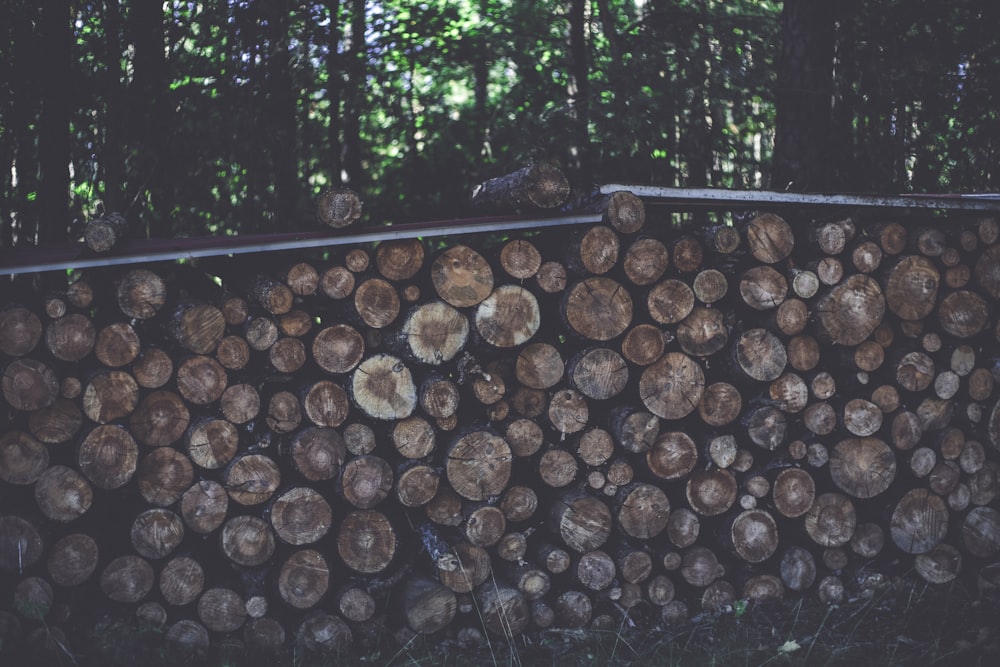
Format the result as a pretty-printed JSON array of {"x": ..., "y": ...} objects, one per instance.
[{"x": 558, "y": 429}]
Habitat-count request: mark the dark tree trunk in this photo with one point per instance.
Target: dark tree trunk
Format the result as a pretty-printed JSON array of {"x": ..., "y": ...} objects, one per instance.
[
  {"x": 53, "y": 136},
  {"x": 113, "y": 159},
  {"x": 804, "y": 94},
  {"x": 579, "y": 90},
  {"x": 354, "y": 98},
  {"x": 334, "y": 91},
  {"x": 282, "y": 117}
]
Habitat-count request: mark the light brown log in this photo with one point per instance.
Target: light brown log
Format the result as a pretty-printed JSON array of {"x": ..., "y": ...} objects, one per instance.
[
  {"x": 479, "y": 465},
  {"x": 687, "y": 254},
  {"x": 919, "y": 521},
  {"x": 520, "y": 259},
  {"x": 235, "y": 308},
  {"x": 703, "y": 332},
  {"x": 583, "y": 522},
  {"x": 201, "y": 380},
  {"x": 302, "y": 278},
  {"x": 127, "y": 579},
  {"x": 160, "y": 419},
  {"x": 357, "y": 260},
  {"x": 366, "y": 541},
  {"x": 508, "y": 317},
  {"x": 539, "y": 366},
  {"x": 538, "y": 185},
  {"x": 670, "y": 301},
  {"x": 720, "y": 404},
  {"x": 366, "y": 481},
  {"x": 163, "y": 475},
  {"x": 337, "y": 282},
  {"x": 862, "y": 467},
  {"x": 769, "y": 238},
  {"x": 62, "y": 494},
  {"x": 672, "y": 456},
  {"x": 711, "y": 492},
  {"x": 427, "y": 605},
  {"x": 761, "y": 355},
  {"x": 247, "y": 540},
  {"x": 117, "y": 345},
  {"x": 182, "y": 581},
  {"x": 598, "y": 308},
  {"x": 212, "y": 443},
  {"x": 598, "y": 373},
  {"x": 338, "y": 348},
  {"x": 635, "y": 566},
  {"x": 72, "y": 559},
  {"x": 417, "y": 485},
  {"x": 383, "y": 388},
  {"x": 461, "y": 276},
  {"x": 109, "y": 396},
  {"x": 484, "y": 526},
  {"x": 792, "y": 316},
  {"x": 595, "y": 570},
  {"x": 20, "y": 331},
  {"x": 551, "y": 277},
  {"x": 645, "y": 261},
  {"x": 435, "y": 332},
  {"x": 204, "y": 506},
  {"x": 852, "y": 310},
  {"x": 108, "y": 456},
  {"x": 672, "y": 387},
  {"x": 963, "y": 314},
  {"x": 866, "y": 256},
  {"x": 594, "y": 250},
  {"x": 22, "y": 458},
  {"x": 623, "y": 210},
  {"x": 261, "y": 333},
  {"x": 568, "y": 411},
  {"x": 287, "y": 355},
  {"x": 304, "y": 579},
  {"x": 519, "y": 503},
  {"x": 557, "y": 468},
  {"x": 376, "y": 302},
  {"x": 198, "y": 327},
  {"x": 29, "y": 384},
  {"x": 644, "y": 511},
  {"x": 251, "y": 479},
  {"x": 634, "y": 430},
  {"x": 803, "y": 352},
  {"x": 338, "y": 207},
  {"x": 300, "y": 516},
  {"x": 152, "y": 368},
  {"x": 512, "y": 547},
  {"x": 763, "y": 288},
  {"x": 794, "y": 492},
  {"x": 156, "y": 533},
  {"x": 233, "y": 352}
]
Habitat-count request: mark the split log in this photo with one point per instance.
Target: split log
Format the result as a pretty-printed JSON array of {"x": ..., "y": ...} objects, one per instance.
[{"x": 538, "y": 185}]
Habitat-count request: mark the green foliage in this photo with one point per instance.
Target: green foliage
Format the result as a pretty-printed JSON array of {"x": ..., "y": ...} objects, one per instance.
[{"x": 248, "y": 109}]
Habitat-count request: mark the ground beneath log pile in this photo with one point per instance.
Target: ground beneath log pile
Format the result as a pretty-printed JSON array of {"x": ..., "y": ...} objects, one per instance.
[{"x": 882, "y": 621}]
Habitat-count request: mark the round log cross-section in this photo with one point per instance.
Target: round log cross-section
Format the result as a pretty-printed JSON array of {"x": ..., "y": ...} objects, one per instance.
[
  {"x": 479, "y": 465},
  {"x": 672, "y": 387},
  {"x": 598, "y": 308}
]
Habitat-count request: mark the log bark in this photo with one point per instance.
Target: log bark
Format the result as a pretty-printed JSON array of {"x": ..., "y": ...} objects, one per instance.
[{"x": 536, "y": 186}]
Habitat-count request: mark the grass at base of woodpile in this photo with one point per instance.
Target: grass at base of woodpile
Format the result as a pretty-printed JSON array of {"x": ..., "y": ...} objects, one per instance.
[{"x": 898, "y": 623}]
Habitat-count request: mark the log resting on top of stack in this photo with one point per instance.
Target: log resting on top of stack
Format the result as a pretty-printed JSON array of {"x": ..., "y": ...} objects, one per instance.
[{"x": 549, "y": 430}]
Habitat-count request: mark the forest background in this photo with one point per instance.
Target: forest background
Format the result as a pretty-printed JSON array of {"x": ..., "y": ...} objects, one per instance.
[{"x": 230, "y": 117}]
